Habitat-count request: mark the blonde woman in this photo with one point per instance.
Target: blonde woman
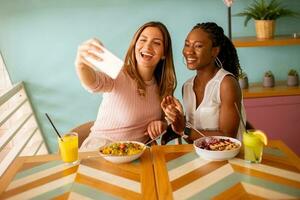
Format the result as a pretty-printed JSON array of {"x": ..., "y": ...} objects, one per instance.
[{"x": 130, "y": 108}]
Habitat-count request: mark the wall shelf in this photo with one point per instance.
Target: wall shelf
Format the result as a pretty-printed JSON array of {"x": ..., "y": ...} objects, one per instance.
[
  {"x": 256, "y": 90},
  {"x": 280, "y": 40}
]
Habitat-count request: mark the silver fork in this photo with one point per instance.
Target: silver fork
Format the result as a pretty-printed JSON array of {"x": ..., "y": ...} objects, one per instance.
[
  {"x": 189, "y": 125},
  {"x": 156, "y": 138}
]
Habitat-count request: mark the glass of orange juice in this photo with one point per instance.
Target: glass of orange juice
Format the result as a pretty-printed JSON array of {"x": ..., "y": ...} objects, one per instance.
[
  {"x": 254, "y": 141},
  {"x": 68, "y": 147}
]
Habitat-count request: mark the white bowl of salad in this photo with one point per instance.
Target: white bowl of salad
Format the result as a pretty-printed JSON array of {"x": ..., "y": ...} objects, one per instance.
[
  {"x": 217, "y": 148},
  {"x": 122, "y": 151}
]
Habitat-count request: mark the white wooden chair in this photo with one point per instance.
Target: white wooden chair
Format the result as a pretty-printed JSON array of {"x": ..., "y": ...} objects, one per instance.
[
  {"x": 83, "y": 131},
  {"x": 19, "y": 131}
]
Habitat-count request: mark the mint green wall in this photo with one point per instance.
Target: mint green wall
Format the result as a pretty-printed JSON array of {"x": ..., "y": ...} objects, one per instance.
[{"x": 38, "y": 41}]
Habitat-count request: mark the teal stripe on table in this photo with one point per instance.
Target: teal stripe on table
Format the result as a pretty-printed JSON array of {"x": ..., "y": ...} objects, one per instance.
[
  {"x": 54, "y": 193},
  {"x": 217, "y": 188},
  {"x": 274, "y": 151},
  {"x": 235, "y": 178},
  {"x": 271, "y": 185},
  {"x": 91, "y": 192},
  {"x": 137, "y": 161},
  {"x": 37, "y": 169},
  {"x": 181, "y": 160}
]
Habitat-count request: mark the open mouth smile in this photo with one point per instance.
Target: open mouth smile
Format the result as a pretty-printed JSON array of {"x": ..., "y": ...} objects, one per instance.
[
  {"x": 190, "y": 60},
  {"x": 146, "y": 55}
]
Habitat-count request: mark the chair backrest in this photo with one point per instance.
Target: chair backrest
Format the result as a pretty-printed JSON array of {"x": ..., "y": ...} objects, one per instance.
[
  {"x": 83, "y": 131},
  {"x": 19, "y": 131}
]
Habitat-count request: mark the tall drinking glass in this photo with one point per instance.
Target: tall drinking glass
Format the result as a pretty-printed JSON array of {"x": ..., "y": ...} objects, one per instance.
[
  {"x": 253, "y": 141},
  {"x": 68, "y": 147}
]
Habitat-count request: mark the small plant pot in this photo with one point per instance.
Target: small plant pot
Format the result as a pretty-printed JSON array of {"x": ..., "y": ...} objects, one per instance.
[
  {"x": 268, "y": 81},
  {"x": 293, "y": 80},
  {"x": 244, "y": 84},
  {"x": 264, "y": 29}
]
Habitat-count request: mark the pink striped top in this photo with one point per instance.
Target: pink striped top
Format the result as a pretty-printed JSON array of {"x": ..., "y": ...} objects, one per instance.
[{"x": 123, "y": 113}]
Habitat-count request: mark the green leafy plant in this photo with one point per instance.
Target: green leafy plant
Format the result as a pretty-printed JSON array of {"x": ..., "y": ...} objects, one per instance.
[
  {"x": 293, "y": 72},
  {"x": 242, "y": 74},
  {"x": 261, "y": 10},
  {"x": 269, "y": 74},
  {"x": 243, "y": 79}
]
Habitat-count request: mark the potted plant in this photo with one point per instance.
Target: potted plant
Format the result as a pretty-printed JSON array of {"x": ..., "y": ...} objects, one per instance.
[
  {"x": 268, "y": 80},
  {"x": 265, "y": 15},
  {"x": 293, "y": 78},
  {"x": 243, "y": 80}
]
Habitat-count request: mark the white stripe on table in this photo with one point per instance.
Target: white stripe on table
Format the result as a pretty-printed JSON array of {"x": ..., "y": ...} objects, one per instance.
[
  {"x": 203, "y": 182},
  {"x": 44, "y": 188},
  {"x": 186, "y": 168},
  {"x": 110, "y": 178},
  {"x": 75, "y": 195},
  {"x": 38, "y": 175},
  {"x": 267, "y": 169}
]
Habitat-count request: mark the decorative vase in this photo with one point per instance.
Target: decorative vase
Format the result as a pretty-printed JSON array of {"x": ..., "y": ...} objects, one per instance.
[
  {"x": 244, "y": 82},
  {"x": 264, "y": 29},
  {"x": 292, "y": 80},
  {"x": 268, "y": 81}
]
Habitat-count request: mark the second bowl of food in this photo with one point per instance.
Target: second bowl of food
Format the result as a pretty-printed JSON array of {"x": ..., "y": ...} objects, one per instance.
[
  {"x": 217, "y": 147},
  {"x": 122, "y": 151}
]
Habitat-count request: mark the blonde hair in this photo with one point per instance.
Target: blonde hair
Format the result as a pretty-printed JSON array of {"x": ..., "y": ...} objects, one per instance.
[{"x": 164, "y": 72}]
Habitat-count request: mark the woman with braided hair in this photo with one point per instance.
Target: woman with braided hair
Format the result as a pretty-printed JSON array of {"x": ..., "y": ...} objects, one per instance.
[{"x": 209, "y": 97}]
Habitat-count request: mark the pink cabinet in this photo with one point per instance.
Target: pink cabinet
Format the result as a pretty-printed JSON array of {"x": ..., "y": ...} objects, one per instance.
[{"x": 279, "y": 117}]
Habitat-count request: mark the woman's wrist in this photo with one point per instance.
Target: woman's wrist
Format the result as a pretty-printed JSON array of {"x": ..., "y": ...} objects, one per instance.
[
  {"x": 182, "y": 130},
  {"x": 165, "y": 124},
  {"x": 176, "y": 130}
]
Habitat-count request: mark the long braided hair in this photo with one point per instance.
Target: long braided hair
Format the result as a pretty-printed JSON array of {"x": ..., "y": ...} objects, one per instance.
[{"x": 227, "y": 55}]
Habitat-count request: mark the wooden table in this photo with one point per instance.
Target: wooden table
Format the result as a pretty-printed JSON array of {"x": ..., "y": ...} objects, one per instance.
[
  {"x": 163, "y": 172},
  {"x": 47, "y": 177},
  {"x": 181, "y": 174}
]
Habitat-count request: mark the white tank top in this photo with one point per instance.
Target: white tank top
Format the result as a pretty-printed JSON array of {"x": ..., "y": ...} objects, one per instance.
[{"x": 206, "y": 115}]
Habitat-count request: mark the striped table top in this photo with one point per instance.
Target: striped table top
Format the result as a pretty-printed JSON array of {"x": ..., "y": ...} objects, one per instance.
[
  {"x": 181, "y": 174},
  {"x": 47, "y": 177}
]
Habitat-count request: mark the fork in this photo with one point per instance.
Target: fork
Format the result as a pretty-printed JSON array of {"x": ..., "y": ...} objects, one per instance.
[
  {"x": 189, "y": 125},
  {"x": 156, "y": 138}
]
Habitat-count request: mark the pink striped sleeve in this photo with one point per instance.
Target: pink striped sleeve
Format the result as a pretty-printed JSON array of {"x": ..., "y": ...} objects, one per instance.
[{"x": 103, "y": 83}]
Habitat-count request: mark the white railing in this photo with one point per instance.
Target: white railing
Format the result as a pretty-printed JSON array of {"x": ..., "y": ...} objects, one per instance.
[{"x": 20, "y": 133}]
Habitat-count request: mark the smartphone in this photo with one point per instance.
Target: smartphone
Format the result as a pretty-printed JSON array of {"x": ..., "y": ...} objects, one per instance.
[{"x": 110, "y": 64}]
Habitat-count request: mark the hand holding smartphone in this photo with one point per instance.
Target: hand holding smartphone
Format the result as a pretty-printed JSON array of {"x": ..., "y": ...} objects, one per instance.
[{"x": 110, "y": 64}]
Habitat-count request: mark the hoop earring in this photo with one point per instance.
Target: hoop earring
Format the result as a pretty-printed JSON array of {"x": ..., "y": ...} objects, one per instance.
[{"x": 218, "y": 62}]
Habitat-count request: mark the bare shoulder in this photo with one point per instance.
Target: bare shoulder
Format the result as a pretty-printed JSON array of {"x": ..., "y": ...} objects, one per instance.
[
  {"x": 229, "y": 82},
  {"x": 230, "y": 87}
]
